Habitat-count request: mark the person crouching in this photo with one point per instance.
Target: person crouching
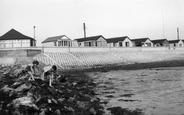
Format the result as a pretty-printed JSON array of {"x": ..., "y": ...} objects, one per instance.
[
  {"x": 48, "y": 73},
  {"x": 30, "y": 69}
]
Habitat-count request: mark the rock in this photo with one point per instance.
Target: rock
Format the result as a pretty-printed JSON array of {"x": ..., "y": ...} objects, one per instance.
[
  {"x": 69, "y": 109},
  {"x": 57, "y": 112},
  {"x": 124, "y": 111},
  {"x": 27, "y": 101},
  {"x": 23, "y": 105},
  {"x": 22, "y": 78},
  {"x": 71, "y": 99},
  {"x": 23, "y": 87},
  {"x": 62, "y": 79},
  {"x": 95, "y": 99},
  {"x": 60, "y": 100},
  {"x": 83, "y": 104},
  {"x": 54, "y": 101},
  {"x": 16, "y": 84},
  {"x": 92, "y": 110},
  {"x": 52, "y": 90},
  {"x": 43, "y": 111},
  {"x": 19, "y": 72},
  {"x": 6, "y": 89},
  {"x": 49, "y": 101}
]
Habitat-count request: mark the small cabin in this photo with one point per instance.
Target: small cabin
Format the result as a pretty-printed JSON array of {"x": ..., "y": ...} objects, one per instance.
[
  {"x": 176, "y": 43},
  {"x": 93, "y": 41},
  {"x": 13, "y": 38},
  {"x": 119, "y": 42},
  {"x": 142, "y": 42},
  {"x": 160, "y": 43},
  {"x": 57, "y": 41}
]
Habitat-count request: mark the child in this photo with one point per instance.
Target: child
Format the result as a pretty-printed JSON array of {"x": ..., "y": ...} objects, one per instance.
[
  {"x": 30, "y": 69},
  {"x": 48, "y": 73}
]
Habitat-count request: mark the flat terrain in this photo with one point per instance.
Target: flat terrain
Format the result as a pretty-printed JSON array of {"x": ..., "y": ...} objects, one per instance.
[{"x": 157, "y": 91}]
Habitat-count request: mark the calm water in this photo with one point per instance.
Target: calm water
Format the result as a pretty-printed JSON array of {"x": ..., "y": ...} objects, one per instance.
[{"x": 158, "y": 91}]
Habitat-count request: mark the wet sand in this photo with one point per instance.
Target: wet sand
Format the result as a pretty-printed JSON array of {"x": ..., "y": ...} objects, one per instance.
[{"x": 157, "y": 91}]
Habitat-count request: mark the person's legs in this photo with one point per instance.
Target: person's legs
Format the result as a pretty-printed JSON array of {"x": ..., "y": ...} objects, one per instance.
[
  {"x": 50, "y": 80},
  {"x": 31, "y": 76},
  {"x": 43, "y": 76}
]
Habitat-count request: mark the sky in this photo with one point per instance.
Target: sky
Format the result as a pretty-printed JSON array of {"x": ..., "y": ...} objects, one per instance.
[{"x": 155, "y": 19}]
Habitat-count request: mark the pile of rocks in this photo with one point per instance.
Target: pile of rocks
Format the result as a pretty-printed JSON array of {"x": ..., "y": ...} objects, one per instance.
[{"x": 70, "y": 95}]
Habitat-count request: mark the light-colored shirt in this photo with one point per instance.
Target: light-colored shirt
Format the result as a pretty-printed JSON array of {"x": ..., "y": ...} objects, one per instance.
[{"x": 47, "y": 68}]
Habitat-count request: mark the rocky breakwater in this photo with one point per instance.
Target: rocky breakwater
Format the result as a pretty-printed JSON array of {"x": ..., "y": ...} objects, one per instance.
[{"x": 70, "y": 95}]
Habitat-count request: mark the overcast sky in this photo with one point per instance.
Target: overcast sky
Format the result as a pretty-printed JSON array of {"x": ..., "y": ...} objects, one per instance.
[{"x": 110, "y": 18}]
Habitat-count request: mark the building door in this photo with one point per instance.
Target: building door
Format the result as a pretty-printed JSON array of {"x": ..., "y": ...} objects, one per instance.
[
  {"x": 114, "y": 44},
  {"x": 120, "y": 44},
  {"x": 127, "y": 44}
]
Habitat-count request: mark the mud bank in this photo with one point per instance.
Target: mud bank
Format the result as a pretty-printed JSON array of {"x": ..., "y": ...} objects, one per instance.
[{"x": 156, "y": 91}]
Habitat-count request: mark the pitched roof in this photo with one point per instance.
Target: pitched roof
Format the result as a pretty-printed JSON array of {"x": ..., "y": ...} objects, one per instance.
[
  {"x": 88, "y": 38},
  {"x": 158, "y": 41},
  {"x": 116, "y": 39},
  {"x": 14, "y": 34},
  {"x": 174, "y": 41},
  {"x": 53, "y": 39},
  {"x": 139, "y": 40}
]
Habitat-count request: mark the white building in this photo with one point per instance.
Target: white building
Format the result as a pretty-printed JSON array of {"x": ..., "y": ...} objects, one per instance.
[
  {"x": 176, "y": 43},
  {"x": 119, "y": 42},
  {"x": 92, "y": 41},
  {"x": 58, "y": 41},
  {"x": 142, "y": 42},
  {"x": 14, "y": 38}
]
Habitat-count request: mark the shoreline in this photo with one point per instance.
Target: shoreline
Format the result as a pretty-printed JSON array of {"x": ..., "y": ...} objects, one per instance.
[
  {"x": 135, "y": 66},
  {"x": 81, "y": 76}
]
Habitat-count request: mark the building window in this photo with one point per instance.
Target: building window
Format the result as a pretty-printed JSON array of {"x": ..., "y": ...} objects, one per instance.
[
  {"x": 59, "y": 43},
  {"x": 180, "y": 45},
  {"x": 55, "y": 44},
  {"x": 174, "y": 45},
  {"x": 88, "y": 44},
  {"x": 65, "y": 43},
  {"x": 120, "y": 44}
]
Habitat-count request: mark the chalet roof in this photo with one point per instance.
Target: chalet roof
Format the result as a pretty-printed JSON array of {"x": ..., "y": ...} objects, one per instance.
[
  {"x": 158, "y": 41},
  {"x": 13, "y": 35},
  {"x": 174, "y": 41},
  {"x": 139, "y": 40},
  {"x": 116, "y": 39},
  {"x": 54, "y": 38},
  {"x": 88, "y": 38}
]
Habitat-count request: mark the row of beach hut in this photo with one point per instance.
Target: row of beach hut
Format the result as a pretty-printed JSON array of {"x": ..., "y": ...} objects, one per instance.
[
  {"x": 13, "y": 38},
  {"x": 100, "y": 41}
]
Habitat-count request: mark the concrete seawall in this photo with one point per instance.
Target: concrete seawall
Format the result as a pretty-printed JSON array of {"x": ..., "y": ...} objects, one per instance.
[
  {"x": 19, "y": 52},
  {"x": 83, "y": 57}
]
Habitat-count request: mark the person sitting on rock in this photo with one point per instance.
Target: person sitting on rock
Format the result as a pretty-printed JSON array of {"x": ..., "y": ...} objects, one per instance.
[
  {"x": 49, "y": 73},
  {"x": 31, "y": 69}
]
